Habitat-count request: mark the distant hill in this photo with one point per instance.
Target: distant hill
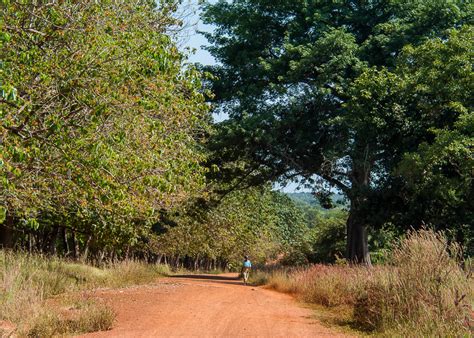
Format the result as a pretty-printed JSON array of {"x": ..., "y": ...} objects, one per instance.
[
  {"x": 306, "y": 198},
  {"x": 312, "y": 209},
  {"x": 303, "y": 197}
]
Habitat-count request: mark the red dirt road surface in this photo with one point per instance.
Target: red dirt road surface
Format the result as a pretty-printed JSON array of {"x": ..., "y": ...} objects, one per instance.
[{"x": 207, "y": 305}]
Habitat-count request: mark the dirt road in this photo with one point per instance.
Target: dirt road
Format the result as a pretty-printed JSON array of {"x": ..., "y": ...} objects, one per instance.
[{"x": 207, "y": 305}]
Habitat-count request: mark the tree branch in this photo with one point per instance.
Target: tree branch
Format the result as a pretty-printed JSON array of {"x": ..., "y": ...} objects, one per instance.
[{"x": 335, "y": 182}]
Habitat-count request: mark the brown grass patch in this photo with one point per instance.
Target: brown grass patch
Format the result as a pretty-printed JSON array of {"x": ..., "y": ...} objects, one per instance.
[{"x": 28, "y": 281}]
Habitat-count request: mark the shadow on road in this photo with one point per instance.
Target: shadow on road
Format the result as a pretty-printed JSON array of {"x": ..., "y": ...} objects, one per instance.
[
  {"x": 209, "y": 277},
  {"x": 234, "y": 280}
]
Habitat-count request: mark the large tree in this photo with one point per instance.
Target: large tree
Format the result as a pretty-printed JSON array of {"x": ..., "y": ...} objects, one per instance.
[
  {"x": 422, "y": 110},
  {"x": 285, "y": 78},
  {"x": 439, "y": 174}
]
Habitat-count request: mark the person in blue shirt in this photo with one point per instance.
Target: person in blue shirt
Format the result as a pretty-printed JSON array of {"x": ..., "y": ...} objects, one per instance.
[{"x": 246, "y": 267}]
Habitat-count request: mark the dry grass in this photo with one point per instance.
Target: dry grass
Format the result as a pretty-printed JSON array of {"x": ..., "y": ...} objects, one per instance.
[
  {"x": 27, "y": 281},
  {"x": 320, "y": 284},
  {"x": 423, "y": 289},
  {"x": 80, "y": 317},
  {"x": 134, "y": 272}
]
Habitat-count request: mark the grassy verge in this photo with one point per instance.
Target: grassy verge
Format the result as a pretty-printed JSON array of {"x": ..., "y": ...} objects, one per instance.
[
  {"x": 28, "y": 283},
  {"x": 75, "y": 316},
  {"x": 421, "y": 289}
]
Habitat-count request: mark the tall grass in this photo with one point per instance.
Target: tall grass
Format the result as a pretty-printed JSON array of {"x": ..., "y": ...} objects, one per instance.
[
  {"x": 89, "y": 317},
  {"x": 27, "y": 281},
  {"x": 422, "y": 289},
  {"x": 425, "y": 289}
]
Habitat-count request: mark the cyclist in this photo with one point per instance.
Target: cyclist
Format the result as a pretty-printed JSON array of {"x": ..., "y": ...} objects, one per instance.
[{"x": 246, "y": 267}]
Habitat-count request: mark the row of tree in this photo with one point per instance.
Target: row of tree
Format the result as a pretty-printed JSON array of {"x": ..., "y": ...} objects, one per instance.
[
  {"x": 257, "y": 222},
  {"x": 102, "y": 145},
  {"x": 101, "y": 123},
  {"x": 107, "y": 149}
]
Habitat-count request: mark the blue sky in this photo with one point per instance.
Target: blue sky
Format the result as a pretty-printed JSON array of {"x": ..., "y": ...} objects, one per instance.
[{"x": 194, "y": 39}]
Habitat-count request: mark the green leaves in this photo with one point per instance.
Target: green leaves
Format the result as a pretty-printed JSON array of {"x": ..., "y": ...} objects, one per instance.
[
  {"x": 101, "y": 124},
  {"x": 423, "y": 109},
  {"x": 8, "y": 93},
  {"x": 257, "y": 222},
  {"x": 336, "y": 92},
  {"x": 3, "y": 214}
]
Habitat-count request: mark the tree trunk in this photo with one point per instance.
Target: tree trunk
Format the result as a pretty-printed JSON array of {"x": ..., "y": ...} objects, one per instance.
[
  {"x": 54, "y": 235},
  {"x": 85, "y": 255},
  {"x": 76, "y": 246},
  {"x": 357, "y": 237},
  {"x": 196, "y": 262},
  {"x": 6, "y": 233},
  {"x": 127, "y": 252},
  {"x": 30, "y": 243},
  {"x": 65, "y": 242}
]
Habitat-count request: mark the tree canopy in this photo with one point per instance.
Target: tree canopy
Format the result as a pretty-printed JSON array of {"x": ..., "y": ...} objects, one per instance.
[
  {"x": 258, "y": 222},
  {"x": 107, "y": 148},
  {"x": 101, "y": 122},
  {"x": 306, "y": 86}
]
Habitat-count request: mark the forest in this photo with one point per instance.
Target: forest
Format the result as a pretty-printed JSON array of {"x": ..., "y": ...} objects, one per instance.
[{"x": 109, "y": 149}]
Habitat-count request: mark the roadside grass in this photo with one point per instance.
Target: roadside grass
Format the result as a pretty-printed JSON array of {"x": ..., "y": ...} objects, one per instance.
[
  {"x": 131, "y": 272},
  {"x": 259, "y": 277},
  {"x": 421, "y": 289},
  {"x": 28, "y": 282},
  {"x": 340, "y": 317},
  {"x": 76, "y": 316}
]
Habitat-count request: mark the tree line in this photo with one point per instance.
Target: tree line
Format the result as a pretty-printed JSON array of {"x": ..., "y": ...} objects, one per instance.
[
  {"x": 102, "y": 124},
  {"x": 108, "y": 149}
]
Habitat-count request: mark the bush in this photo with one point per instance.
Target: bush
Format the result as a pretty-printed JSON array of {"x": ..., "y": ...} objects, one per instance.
[
  {"x": 422, "y": 288},
  {"x": 329, "y": 237}
]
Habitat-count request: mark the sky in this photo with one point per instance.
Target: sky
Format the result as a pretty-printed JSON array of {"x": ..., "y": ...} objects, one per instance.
[{"x": 196, "y": 41}]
